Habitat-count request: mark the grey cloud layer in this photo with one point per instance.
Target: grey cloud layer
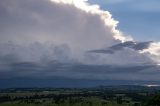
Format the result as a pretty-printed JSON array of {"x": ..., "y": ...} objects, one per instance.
[
  {"x": 40, "y": 38},
  {"x": 81, "y": 71}
]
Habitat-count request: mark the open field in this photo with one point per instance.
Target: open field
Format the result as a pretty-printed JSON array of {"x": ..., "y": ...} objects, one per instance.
[{"x": 98, "y": 96}]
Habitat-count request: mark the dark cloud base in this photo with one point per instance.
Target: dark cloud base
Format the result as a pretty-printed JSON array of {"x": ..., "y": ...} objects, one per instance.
[{"x": 67, "y": 83}]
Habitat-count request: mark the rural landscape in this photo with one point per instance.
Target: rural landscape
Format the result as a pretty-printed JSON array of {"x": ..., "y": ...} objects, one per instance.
[
  {"x": 79, "y": 52},
  {"x": 125, "y": 95}
]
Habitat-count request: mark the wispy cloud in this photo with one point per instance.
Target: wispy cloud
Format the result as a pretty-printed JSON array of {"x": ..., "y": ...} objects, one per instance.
[{"x": 138, "y": 46}]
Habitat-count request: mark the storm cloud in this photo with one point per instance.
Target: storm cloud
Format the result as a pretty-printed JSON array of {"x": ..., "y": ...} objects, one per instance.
[{"x": 51, "y": 38}]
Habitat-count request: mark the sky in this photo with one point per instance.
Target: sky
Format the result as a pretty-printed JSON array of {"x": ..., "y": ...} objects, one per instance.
[
  {"x": 139, "y": 18},
  {"x": 69, "y": 42}
]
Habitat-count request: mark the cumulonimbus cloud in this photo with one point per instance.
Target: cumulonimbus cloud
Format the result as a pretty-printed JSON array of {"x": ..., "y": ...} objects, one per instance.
[
  {"x": 52, "y": 37},
  {"x": 76, "y": 24}
]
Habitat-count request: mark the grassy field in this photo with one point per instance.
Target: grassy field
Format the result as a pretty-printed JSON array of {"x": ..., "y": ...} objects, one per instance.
[{"x": 103, "y": 96}]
